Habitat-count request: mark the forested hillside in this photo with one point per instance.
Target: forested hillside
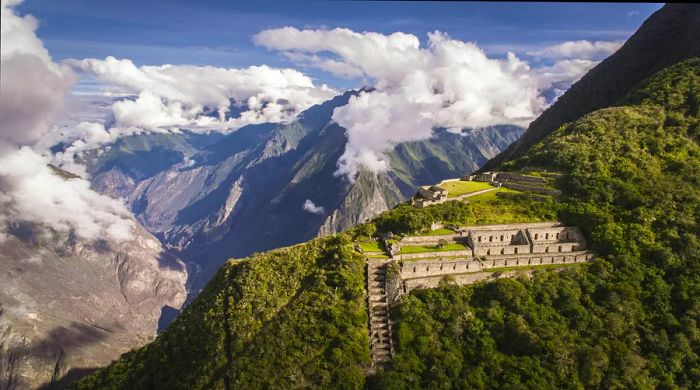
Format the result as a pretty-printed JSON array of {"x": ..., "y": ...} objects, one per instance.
[{"x": 630, "y": 320}]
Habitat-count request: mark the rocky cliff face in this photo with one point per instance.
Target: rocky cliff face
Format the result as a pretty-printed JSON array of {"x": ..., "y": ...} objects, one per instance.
[
  {"x": 68, "y": 306},
  {"x": 245, "y": 192}
]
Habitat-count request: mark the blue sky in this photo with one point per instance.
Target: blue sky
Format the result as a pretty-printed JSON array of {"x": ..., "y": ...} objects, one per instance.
[{"x": 218, "y": 33}]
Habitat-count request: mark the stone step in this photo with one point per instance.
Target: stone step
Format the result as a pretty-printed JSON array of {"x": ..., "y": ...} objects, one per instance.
[
  {"x": 383, "y": 346},
  {"x": 379, "y": 332},
  {"x": 381, "y": 352},
  {"x": 379, "y": 327},
  {"x": 379, "y": 323}
]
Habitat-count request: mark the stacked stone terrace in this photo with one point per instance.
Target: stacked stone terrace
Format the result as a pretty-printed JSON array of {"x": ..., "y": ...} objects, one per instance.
[
  {"x": 518, "y": 181},
  {"x": 492, "y": 246},
  {"x": 431, "y": 195},
  {"x": 506, "y": 248}
]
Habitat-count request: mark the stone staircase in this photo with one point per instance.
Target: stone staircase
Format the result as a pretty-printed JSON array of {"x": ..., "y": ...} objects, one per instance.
[{"x": 379, "y": 324}]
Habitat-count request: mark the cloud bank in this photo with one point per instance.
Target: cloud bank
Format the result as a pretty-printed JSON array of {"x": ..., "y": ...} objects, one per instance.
[
  {"x": 32, "y": 86},
  {"x": 448, "y": 83},
  {"x": 37, "y": 194},
  {"x": 585, "y": 50},
  {"x": 200, "y": 97},
  {"x": 32, "y": 94}
]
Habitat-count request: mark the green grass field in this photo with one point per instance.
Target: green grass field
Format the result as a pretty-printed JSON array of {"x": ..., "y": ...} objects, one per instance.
[
  {"x": 457, "y": 188},
  {"x": 439, "y": 232},
  {"x": 372, "y": 246},
  {"x": 491, "y": 195},
  {"x": 424, "y": 249}
]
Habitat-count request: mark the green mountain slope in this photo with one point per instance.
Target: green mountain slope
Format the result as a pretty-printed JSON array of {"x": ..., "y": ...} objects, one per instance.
[
  {"x": 630, "y": 320},
  {"x": 669, "y": 36},
  {"x": 296, "y": 317},
  {"x": 290, "y": 317}
]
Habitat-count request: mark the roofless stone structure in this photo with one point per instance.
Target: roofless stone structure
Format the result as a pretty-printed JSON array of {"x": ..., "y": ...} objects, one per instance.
[{"x": 507, "y": 248}]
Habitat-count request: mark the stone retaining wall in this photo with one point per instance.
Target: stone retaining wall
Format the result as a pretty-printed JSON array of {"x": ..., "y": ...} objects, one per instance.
[
  {"x": 427, "y": 268},
  {"x": 423, "y": 268},
  {"x": 495, "y": 250},
  {"x": 429, "y": 274},
  {"x": 424, "y": 255},
  {"x": 428, "y": 240},
  {"x": 462, "y": 279}
]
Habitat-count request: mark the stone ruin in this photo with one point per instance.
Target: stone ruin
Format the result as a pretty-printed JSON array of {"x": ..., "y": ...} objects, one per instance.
[
  {"x": 517, "y": 181},
  {"x": 503, "y": 247},
  {"x": 430, "y": 195}
]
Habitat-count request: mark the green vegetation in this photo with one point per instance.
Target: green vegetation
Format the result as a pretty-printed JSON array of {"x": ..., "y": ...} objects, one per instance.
[
  {"x": 439, "y": 232},
  {"x": 437, "y": 248},
  {"x": 371, "y": 246},
  {"x": 479, "y": 210},
  {"x": 491, "y": 195},
  {"x": 628, "y": 320},
  {"x": 292, "y": 317},
  {"x": 457, "y": 188},
  {"x": 538, "y": 267}
]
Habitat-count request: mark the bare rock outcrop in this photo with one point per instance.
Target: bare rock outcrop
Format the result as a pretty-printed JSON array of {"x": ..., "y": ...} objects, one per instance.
[{"x": 69, "y": 306}]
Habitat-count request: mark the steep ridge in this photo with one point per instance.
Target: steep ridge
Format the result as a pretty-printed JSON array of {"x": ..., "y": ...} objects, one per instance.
[
  {"x": 630, "y": 181},
  {"x": 244, "y": 192},
  {"x": 669, "y": 36},
  {"x": 116, "y": 169}
]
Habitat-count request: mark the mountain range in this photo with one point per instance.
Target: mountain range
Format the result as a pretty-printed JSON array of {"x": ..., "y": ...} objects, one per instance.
[{"x": 213, "y": 197}]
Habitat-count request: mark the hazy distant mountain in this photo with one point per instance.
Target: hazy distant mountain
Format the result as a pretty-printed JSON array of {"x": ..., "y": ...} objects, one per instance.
[{"x": 213, "y": 199}]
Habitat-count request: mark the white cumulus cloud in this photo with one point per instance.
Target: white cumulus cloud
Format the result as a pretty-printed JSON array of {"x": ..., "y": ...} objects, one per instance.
[
  {"x": 582, "y": 49},
  {"x": 32, "y": 93},
  {"x": 175, "y": 96},
  {"x": 448, "y": 83},
  {"x": 32, "y": 86},
  {"x": 38, "y": 195},
  {"x": 311, "y": 207}
]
